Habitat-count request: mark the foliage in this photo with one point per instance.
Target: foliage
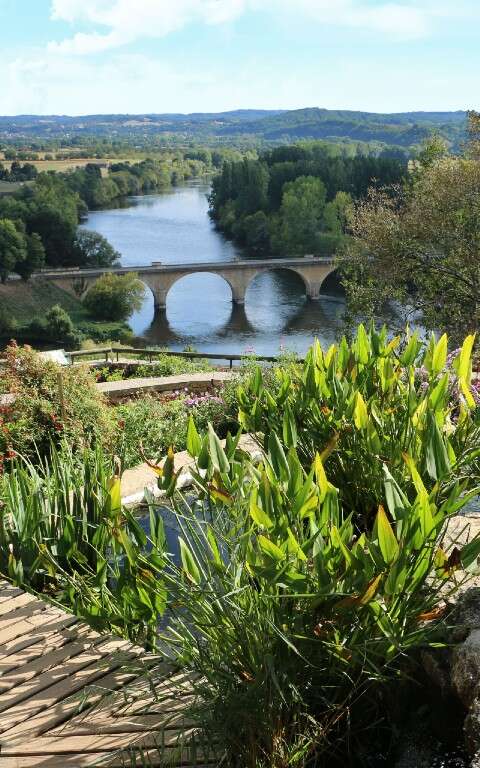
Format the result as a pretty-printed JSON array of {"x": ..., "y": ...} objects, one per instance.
[
  {"x": 115, "y": 297},
  {"x": 64, "y": 533},
  {"x": 93, "y": 250},
  {"x": 292, "y": 622},
  {"x": 286, "y": 199},
  {"x": 366, "y": 405},
  {"x": 149, "y": 427},
  {"x": 52, "y": 404},
  {"x": 12, "y": 248},
  {"x": 419, "y": 244},
  {"x": 59, "y": 326}
]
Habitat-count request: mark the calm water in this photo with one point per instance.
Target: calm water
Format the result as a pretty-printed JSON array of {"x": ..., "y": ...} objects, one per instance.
[{"x": 173, "y": 227}]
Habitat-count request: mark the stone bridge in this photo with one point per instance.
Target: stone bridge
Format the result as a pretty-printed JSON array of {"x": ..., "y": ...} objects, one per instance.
[{"x": 160, "y": 277}]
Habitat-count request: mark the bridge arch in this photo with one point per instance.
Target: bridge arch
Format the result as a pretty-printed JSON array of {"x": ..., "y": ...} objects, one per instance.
[
  {"x": 161, "y": 289},
  {"x": 280, "y": 269}
]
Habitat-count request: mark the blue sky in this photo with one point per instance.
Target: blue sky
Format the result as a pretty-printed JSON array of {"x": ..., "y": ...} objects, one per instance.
[{"x": 92, "y": 56}]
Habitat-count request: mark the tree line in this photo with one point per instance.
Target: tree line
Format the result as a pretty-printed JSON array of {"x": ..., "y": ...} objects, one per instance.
[
  {"x": 39, "y": 222},
  {"x": 295, "y": 199}
]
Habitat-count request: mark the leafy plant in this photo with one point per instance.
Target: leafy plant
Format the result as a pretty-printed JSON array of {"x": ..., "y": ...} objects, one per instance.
[
  {"x": 64, "y": 533},
  {"x": 293, "y": 623},
  {"x": 364, "y": 405}
]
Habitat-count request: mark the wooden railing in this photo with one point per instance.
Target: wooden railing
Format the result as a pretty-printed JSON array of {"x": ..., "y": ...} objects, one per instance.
[{"x": 114, "y": 353}]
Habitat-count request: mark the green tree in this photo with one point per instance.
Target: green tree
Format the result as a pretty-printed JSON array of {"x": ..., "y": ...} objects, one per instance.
[
  {"x": 420, "y": 247},
  {"x": 35, "y": 256},
  {"x": 12, "y": 248},
  {"x": 115, "y": 297},
  {"x": 59, "y": 326},
  {"x": 91, "y": 249},
  {"x": 301, "y": 213}
]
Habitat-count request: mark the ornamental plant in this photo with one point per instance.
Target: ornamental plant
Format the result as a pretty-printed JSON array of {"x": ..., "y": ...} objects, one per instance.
[
  {"x": 298, "y": 627},
  {"x": 372, "y": 404}
]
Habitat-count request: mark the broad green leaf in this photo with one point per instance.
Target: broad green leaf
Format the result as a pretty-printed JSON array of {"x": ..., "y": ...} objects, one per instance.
[
  {"x": 439, "y": 356},
  {"x": 194, "y": 443},
  {"x": 289, "y": 428},
  {"x": 218, "y": 456},
  {"x": 462, "y": 362},
  {"x": 362, "y": 345},
  {"x": 360, "y": 414},
  {"x": 271, "y": 549},
  {"x": 188, "y": 562},
  {"x": 257, "y": 514},
  {"x": 386, "y": 538}
]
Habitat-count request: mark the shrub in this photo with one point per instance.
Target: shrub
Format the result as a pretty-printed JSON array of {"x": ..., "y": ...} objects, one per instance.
[
  {"x": 367, "y": 405},
  {"x": 64, "y": 533},
  {"x": 295, "y": 625},
  {"x": 115, "y": 297},
  {"x": 52, "y": 403}
]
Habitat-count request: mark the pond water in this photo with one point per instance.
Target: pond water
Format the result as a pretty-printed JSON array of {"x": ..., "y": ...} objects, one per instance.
[{"x": 174, "y": 227}]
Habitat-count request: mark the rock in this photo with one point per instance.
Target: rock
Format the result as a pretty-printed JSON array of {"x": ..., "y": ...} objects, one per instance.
[
  {"x": 465, "y": 672},
  {"x": 471, "y": 728},
  {"x": 466, "y": 614}
]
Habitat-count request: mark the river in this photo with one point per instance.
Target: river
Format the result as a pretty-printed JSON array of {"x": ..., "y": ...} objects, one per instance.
[{"x": 174, "y": 227}]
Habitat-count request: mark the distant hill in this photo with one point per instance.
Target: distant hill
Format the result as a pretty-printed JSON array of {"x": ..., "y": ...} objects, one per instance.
[{"x": 404, "y": 129}]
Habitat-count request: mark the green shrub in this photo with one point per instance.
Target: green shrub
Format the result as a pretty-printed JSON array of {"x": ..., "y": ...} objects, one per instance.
[
  {"x": 294, "y": 624},
  {"x": 52, "y": 403},
  {"x": 115, "y": 297},
  {"x": 365, "y": 406},
  {"x": 64, "y": 533}
]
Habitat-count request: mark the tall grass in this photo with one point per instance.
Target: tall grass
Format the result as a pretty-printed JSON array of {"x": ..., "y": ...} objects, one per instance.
[{"x": 63, "y": 532}]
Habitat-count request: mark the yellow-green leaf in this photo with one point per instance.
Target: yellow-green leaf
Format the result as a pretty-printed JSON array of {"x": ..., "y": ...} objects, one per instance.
[
  {"x": 360, "y": 414},
  {"x": 386, "y": 538}
]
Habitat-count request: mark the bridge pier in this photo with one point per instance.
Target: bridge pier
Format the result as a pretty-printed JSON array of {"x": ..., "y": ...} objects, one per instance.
[{"x": 313, "y": 291}]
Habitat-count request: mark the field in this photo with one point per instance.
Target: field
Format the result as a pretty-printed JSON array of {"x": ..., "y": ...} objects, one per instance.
[
  {"x": 66, "y": 165},
  {"x": 9, "y": 187}
]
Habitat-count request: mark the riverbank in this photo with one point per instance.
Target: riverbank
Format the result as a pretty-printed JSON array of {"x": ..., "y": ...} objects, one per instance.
[{"x": 23, "y": 302}]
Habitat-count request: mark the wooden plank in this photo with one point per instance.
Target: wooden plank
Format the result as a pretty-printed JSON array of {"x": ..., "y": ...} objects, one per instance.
[
  {"x": 57, "y": 649},
  {"x": 60, "y": 703},
  {"x": 23, "y": 633},
  {"x": 57, "y": 745},
  {"x": 56, "y": 685},
  {"x": 19, "y": 601},
  {"x": 26, "y": 651}
]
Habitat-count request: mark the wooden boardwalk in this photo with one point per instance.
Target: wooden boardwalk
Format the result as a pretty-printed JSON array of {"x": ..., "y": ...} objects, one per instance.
[{"x": 70, "y": 697}]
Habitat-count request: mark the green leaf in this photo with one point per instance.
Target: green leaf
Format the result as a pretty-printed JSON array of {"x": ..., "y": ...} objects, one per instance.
[
  {"x": 462, "y": 362},
  {"x": 470, "y": 552},
  {"x": 386, "y": 538},
  {"x": 188, "y": 562},
  {"x": 439, "y": 356},
  {"x": 194, "y": 442},
  {"x": 289, "y": 428},
  {"x": 362, "y": 345},
  {"x": 360, "y": 414},
  {"x": 271, "y": 549},
  {"x": 217, "y": 454},
  {"x": 257, "y": 514}
]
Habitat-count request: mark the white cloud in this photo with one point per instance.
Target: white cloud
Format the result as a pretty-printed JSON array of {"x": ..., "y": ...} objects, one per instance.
[{"x": 128, "y": 20}]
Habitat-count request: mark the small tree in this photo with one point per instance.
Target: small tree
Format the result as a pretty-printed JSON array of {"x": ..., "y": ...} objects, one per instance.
[
  {"x": 12, "y": 248},
  {"x": 35, "y": 257},
  {"x": 115, "y": 297},
  {"x": 91, "y": 249},
  {"x": 59, "y": 326}
]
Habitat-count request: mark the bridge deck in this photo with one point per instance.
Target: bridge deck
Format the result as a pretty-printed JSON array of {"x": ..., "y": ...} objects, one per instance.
[{"x": 63, "y": 701}]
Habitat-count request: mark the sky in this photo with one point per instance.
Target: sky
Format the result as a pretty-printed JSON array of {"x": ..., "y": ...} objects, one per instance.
[{"x": 135, "y": 56}]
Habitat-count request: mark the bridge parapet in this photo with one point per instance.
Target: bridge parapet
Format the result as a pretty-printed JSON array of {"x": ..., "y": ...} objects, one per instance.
[{"x": 160, "y": 277}]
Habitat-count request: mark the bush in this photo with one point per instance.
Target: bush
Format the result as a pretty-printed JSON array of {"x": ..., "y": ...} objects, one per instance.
[
  {"x": 115, "y": 297},
  {"x": 295, "y": 625},
  {"x": 369, "y": 404},
  {"x": 150, "y": 427},
  {"x": 40, "y": 415}
]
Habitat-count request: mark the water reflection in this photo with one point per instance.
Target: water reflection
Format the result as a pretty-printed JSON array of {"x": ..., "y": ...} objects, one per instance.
[{"x": 174, "y": 227}]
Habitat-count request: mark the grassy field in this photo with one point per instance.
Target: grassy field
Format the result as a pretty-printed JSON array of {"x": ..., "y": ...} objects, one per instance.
[
  {"x": 66, "y": 165},
  {"x": 25, "y": 301},
  {"x": 9, "y": 187}
]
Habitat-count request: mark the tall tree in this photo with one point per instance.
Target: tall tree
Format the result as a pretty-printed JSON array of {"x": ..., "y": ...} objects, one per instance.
[
  {"x": 34, "y": 258},
  {"x": 301, "y": 213},
  {"x": 420, "y": 246},
  {"x": 12, "y": 248}
]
